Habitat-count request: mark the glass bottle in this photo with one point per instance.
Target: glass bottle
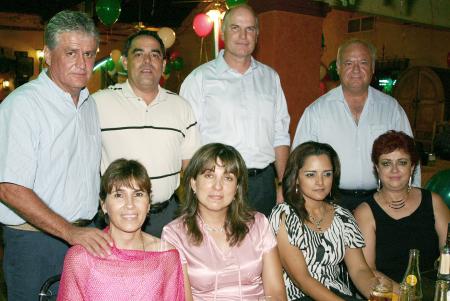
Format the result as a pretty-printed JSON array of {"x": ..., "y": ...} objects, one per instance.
[
  {"x": 440, "y": 293},
  {"x": 412, "y": 275},
  {"x": 405, "y": 292},
  {"x": 444, "y": 263}
]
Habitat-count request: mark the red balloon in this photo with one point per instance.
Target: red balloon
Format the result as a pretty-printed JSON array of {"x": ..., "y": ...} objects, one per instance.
[
  {"x": 202, "y": 25},
  {"x": 173, "y": 56}
]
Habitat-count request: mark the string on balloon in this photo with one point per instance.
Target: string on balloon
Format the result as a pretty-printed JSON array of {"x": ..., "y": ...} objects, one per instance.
[
  {"x": 203, "y": 50},
  {"x": 202, "y": 26}
]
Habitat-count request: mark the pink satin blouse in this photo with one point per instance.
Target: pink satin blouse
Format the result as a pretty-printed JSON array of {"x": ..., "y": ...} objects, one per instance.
[{"x": 215, "y": 275}]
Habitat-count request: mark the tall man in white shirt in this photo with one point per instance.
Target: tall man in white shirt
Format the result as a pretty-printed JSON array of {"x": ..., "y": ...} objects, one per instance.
[
  {"x": 142, "y": 121},
  {"x": 239, "y": 101},
  {"x": 50, "y": 160},
  {"x": 350, "y": 117}
]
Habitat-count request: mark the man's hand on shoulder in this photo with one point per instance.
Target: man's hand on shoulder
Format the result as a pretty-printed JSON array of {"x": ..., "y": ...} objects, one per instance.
[{"x": 95, "y": 241}]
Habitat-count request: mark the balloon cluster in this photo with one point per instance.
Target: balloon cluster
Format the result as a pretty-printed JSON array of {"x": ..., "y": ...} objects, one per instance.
[
  {"x": 175, "y": 63},
  {"x": 108, "y": 11}
]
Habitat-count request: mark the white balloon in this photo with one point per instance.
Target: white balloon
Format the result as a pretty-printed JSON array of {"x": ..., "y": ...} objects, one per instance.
[{"x": 167, "y": 35}]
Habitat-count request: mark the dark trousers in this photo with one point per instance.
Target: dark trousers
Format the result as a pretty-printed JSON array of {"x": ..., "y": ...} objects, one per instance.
[
  {"x": 350, "y": 199},
  {"x": 262, "y": 194},
  {"x": 30, "y": 258},
  {"x": 156, "y": 221}
]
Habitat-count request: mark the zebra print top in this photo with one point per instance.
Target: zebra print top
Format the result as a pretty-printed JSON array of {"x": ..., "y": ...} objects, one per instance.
[{"x": 323, "y": 252}]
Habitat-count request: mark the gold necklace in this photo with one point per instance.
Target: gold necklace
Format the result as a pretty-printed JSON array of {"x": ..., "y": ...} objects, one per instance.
[
  {"x": 397, "y": 204},
  {"x": 318, "y": 221}
]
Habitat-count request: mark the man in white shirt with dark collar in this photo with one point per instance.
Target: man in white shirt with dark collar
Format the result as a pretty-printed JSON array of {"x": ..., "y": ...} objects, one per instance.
[
  {"x": 350, "y": 117},
  {"x": 142, "y": 121},
  {"x": 239, "y": 101}
]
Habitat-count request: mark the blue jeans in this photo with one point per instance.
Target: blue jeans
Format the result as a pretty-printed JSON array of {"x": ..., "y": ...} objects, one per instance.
[{"x": 29, "y": 259}]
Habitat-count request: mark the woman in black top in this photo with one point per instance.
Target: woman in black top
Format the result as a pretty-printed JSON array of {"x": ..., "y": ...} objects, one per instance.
[{"x": 400, "y": 217}]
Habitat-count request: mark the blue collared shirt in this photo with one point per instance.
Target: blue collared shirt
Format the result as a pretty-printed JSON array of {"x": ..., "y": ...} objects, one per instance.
[
  {"x": 52, "y": 147},
  {"x": 247, "y": 111}
]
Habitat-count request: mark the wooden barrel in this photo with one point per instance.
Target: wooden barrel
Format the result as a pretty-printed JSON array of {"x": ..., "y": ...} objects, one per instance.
[{"x": 424, "y": 94}]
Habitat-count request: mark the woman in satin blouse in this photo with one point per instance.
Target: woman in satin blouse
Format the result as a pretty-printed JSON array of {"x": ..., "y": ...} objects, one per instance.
[{"x": 230, "y": 251}]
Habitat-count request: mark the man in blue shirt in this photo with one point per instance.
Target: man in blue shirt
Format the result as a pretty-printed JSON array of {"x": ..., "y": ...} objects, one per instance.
[{"x": 50, "y": 160}]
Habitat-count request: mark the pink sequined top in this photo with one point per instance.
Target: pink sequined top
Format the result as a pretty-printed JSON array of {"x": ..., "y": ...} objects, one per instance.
[
  {"x": 124, "y": 275},
  {"x": 215, "y": 275}
]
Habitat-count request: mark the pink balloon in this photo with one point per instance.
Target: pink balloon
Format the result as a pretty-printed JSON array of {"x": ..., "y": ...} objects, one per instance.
[{"x": 202, "y": 25}]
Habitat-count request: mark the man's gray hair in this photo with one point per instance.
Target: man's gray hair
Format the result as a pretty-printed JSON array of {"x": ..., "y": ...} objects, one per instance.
[
  {"x": 229, "y": 12},
  {"x": 68, "y": 21},
  {"x": 372, "y": 49}
]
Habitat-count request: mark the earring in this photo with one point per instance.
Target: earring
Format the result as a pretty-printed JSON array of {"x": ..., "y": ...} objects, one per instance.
[
  {"x": 409, "y": 183},
  {"x": 379, "y": 185},
  {"x": 296, "y": 188}
]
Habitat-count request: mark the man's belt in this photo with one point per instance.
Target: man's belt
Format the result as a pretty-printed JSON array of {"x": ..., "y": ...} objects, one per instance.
[
  {"x": 252, "y": 172},
  {"x": 357, "y": 192},
  {"x": 29, "y": 227},
  {"x": 159, "y": 207}
]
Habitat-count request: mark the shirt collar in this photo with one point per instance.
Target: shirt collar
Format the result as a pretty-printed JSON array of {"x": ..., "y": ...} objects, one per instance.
[
  {"x": 222, "y": 66},
  {"x": 129, "y": 93},
  {"x": 338, "y": 94},
  {"x": 84, "y": 93}
]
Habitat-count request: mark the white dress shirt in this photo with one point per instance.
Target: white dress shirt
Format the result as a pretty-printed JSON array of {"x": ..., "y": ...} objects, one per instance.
[
  {"x": 52, "y": 147},
  {"x": 329, "y": 120},
  {"x": 247, "y": 111}
]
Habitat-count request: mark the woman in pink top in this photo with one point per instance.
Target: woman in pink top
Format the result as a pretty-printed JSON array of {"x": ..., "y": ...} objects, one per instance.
[
  {"x": 140, "y": 266},
  {"x": 230, "y": 252}
]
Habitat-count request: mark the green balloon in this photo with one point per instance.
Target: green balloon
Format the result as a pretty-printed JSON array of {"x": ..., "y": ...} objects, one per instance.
[
  {"x": 178, "y": 64},
  {"x": 108, "y": 11},
  {"x": 440, "y": 183},
  {"x": 110, "y": 65},
  {"x": 232, "y": 3},
  {"x": 168, "y": 68},
  {"x": 332, "y": 71}
]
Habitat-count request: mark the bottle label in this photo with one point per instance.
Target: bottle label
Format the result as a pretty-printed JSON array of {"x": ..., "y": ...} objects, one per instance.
[
  {"x": 411, "y": 280},
  {"x": 444, "y": 266}
]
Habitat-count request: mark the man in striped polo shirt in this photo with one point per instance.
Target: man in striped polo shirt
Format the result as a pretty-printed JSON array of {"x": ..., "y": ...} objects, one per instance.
[{"x": 140, "y": 120}]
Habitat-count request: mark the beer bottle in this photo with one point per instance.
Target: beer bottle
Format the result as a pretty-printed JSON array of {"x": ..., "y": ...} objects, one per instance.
[
  {"x": 440, "y": 293},
  {"x": 444, "y": 263},
  {"x": 405, "y": 292},
  {"x": 412, "y": 275}
]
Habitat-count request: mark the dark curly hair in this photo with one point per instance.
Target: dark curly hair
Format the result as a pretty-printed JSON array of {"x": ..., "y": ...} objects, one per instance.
[
  {"x": 239, "y": 216},
  {"x": 295, "y": 162}
]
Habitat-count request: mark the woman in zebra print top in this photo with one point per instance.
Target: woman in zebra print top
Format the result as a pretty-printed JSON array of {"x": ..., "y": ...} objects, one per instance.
[{"x": 314, "y": 235}]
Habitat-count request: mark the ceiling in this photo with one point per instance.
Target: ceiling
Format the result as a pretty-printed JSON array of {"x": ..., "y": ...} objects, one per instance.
[{"x": 170, "y": 13}]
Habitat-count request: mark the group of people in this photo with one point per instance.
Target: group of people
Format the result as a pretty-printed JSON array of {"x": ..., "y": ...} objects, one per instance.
[{"x": 255, "y": 219}]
